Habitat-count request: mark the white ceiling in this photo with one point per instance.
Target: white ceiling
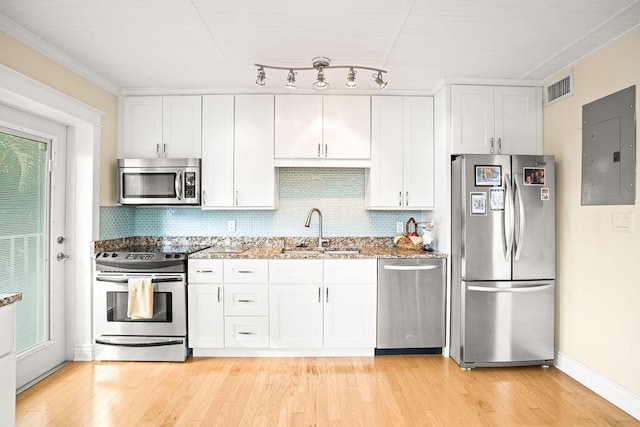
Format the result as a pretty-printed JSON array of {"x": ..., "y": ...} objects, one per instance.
[{"x": 130, "y": 46}]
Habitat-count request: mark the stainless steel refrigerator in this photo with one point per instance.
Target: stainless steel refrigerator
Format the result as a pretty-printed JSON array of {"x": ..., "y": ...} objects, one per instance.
[{"x": 502, "y": 260}]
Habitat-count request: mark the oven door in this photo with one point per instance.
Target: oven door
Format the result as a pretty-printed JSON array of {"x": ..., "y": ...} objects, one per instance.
[{"x": 169, "y": 306}]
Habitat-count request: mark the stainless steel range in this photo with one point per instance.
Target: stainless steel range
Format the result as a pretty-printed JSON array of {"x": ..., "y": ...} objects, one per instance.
[{"x": 162, "y": 337}]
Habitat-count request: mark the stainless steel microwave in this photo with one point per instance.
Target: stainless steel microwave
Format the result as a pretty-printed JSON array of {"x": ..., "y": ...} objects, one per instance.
[{"x": 159, "y": 182}]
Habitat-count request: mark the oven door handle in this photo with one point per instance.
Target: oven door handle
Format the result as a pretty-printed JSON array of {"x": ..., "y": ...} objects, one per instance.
[
  {"x": 158, "y": 343},
  {"x": 156, "y": 280}
]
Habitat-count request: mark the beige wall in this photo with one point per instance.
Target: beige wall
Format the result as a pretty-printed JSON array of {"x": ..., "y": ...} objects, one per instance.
[
  {"x": 598, "y": 270},
  {"x": 27, "y": 61}
]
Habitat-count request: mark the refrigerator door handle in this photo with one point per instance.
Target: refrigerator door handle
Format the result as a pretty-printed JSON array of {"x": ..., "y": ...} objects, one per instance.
[
  {"x": 519, "y": 242},
  {"x": 508, "y": 223},
  {"x": 534, "y": 288}
]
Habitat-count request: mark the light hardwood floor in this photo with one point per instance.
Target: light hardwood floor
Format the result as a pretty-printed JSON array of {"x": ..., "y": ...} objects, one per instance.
[{"x": 380, "y": 391}]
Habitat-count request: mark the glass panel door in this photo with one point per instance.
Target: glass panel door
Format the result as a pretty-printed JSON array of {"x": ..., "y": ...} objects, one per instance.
[{"x": 32, "y": 206}]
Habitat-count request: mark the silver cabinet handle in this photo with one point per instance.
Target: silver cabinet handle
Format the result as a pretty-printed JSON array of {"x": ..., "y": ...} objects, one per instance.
[
  {"x": 491, "y": 149},
  {"x": 499, "y": 145},
  {"x": 203, "y": 198},
  {"x": 157, "y": 150},
  {"x": 510, "y": 290},
  {"x": 319, "y": 295},
  {"x": 326, "y": 150},
  {"x": 406, "y": 200},
  {"x": 236, "y": 197},
  {"x": 204, "y": 271},
  {"x": 399, "y": 198},
  {"x": 164, "y": 150},
  {"x": 219, "y": 294},
  {"x": 246, "y": 272},
  {"x": 411, "y": 267},
  {"x": 327, "y": 295},
  {"x": 319, "y": 152},
  {"x": 246, "y": 300},
  {"x": 246, "y": 333}
]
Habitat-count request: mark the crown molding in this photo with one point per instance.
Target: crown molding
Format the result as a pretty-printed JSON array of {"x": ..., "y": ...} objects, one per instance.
[{"x": 26, "y": 37}]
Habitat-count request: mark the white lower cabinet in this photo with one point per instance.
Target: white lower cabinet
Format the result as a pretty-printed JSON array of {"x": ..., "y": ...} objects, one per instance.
[
  {"x": 262, "y": 307},
  {"x": 205, "y": 316}
]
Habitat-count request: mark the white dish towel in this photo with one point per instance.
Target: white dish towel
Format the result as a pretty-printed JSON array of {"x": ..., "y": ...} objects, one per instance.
[{"x": 140, "y": 298}]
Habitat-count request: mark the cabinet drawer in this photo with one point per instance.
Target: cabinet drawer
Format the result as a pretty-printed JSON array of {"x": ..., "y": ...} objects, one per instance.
[
  {"x": 246, "y": 270},
  {"x": 246, "y": 300},
  {"x": 205, "y": 270},
  {"x": 350, "y": 271},
  {"x": 246, "y": 332},
  {"x": 295, "y": 271}
]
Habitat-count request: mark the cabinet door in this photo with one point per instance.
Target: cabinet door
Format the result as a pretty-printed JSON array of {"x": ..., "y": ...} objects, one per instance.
[
  {"x": 206, "y": 316},
  {"x": 418, "y": 174},
  {"x": 472, "y": 119},
  {"x": 346, "y": 127},
  {"x": 254, "y": 170},
  {"x": 384, "y": 183},
  {"x": 142, "y": 127},
  {"x": 182, "y": 126},
  {"x": 350, "y": 316},
  {"x": 518, "y": 114},
  {"x": 295, "y": 316},
  {"x": 298, "y": 126},
  {"x": 217, "y": 150},
  {"x": 8, "y": 388}
]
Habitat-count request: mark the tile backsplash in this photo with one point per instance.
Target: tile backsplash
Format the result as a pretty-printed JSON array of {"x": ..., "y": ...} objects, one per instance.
[{"x": 337, "y": 192}]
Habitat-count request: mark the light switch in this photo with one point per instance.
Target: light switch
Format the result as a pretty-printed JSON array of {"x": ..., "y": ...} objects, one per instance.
[{"x": 623, "y": 222}]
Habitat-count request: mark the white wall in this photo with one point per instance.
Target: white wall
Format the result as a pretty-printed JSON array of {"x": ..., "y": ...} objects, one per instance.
[{"x": 598, "y": 270}]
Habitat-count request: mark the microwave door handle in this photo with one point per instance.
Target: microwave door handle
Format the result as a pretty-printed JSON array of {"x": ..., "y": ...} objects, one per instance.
[{"x": 179, "y": 185}]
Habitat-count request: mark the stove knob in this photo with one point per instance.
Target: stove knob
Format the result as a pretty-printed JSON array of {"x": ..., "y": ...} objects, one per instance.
[
  {"x": 98, "y": 255},
  {"x": 167, "y": 256},
  {"x": 104, "y": 255},
  {"x": 113, "y": 255},
  {"x": 176, "y": 256}
]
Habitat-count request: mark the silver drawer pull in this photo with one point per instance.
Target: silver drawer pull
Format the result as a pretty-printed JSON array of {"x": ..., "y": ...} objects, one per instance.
[
  {"x": 246, "y": 300},
  {"x": 205, "y": 271},
  {"x": 246, "y": 333},
  {"x": 246, "y": 272}
]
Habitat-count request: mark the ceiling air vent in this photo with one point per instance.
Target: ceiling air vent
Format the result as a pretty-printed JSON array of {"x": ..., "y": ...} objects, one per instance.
[{"x": 559, "y": 89}]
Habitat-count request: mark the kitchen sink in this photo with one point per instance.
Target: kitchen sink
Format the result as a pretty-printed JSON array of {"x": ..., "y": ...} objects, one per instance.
[
  {"x": 226, "y": 250},
  {"x": 327, "y": 251},
  {"x": 341, "y": 251}
]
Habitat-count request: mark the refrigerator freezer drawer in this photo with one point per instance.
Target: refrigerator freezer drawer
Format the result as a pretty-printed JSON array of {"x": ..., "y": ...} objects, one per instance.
[{"x": 507, "y": 323}]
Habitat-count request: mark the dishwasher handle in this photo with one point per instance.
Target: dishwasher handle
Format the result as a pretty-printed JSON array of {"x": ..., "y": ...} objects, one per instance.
[{"x": 411, "y": 267}]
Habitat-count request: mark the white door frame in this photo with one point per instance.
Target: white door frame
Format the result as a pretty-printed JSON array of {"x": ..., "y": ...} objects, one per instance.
[{"x": 83, "y": 194}]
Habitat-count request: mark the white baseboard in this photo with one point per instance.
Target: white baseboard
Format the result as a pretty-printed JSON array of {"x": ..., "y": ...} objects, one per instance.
[
  {"x": 83, "y": 353},
  {"x": 598, "y": 383}
]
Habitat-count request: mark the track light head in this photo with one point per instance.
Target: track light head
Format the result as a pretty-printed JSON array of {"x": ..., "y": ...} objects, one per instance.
[
  {"x": 291, "y": 80},
  {"x": 321, "y": 83},
  {"x": 261, "y": 77},
  {"x": 379, "y": 81},
  {"x": 351, "y": 78}
]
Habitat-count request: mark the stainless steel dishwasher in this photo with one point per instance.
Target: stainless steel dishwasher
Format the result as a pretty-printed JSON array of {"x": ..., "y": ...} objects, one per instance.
[{"x": 411, "y": 306}]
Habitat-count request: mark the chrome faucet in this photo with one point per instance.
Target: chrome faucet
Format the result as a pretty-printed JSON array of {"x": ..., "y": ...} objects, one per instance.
[{"x": 308, "y": 222}]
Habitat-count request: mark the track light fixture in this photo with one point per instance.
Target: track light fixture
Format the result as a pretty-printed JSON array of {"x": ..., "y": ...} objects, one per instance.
[{"x": 320, "y": 64}]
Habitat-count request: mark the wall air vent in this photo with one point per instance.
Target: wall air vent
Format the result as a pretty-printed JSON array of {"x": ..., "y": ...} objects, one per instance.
[{"x": 559, "y": 89}]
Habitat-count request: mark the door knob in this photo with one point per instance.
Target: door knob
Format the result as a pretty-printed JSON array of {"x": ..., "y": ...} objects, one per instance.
[
  {"x": 61, "y": 256},
  {"x": 60, "y": 240}
]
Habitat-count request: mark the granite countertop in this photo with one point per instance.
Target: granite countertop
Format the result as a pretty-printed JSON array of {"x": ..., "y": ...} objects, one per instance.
[
  {"x": 6, "y": 299},
  {"x": 272, "y": 247}
]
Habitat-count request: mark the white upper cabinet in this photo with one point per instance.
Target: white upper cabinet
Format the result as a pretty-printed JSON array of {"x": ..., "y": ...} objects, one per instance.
[
  {"x": 162, "y": 126},
  {"x": 327, "y": 130},
  {"x": 496, "y": 120},
  {"x": 401, "y": 174},
  {"x": 237, "y": 152}
]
